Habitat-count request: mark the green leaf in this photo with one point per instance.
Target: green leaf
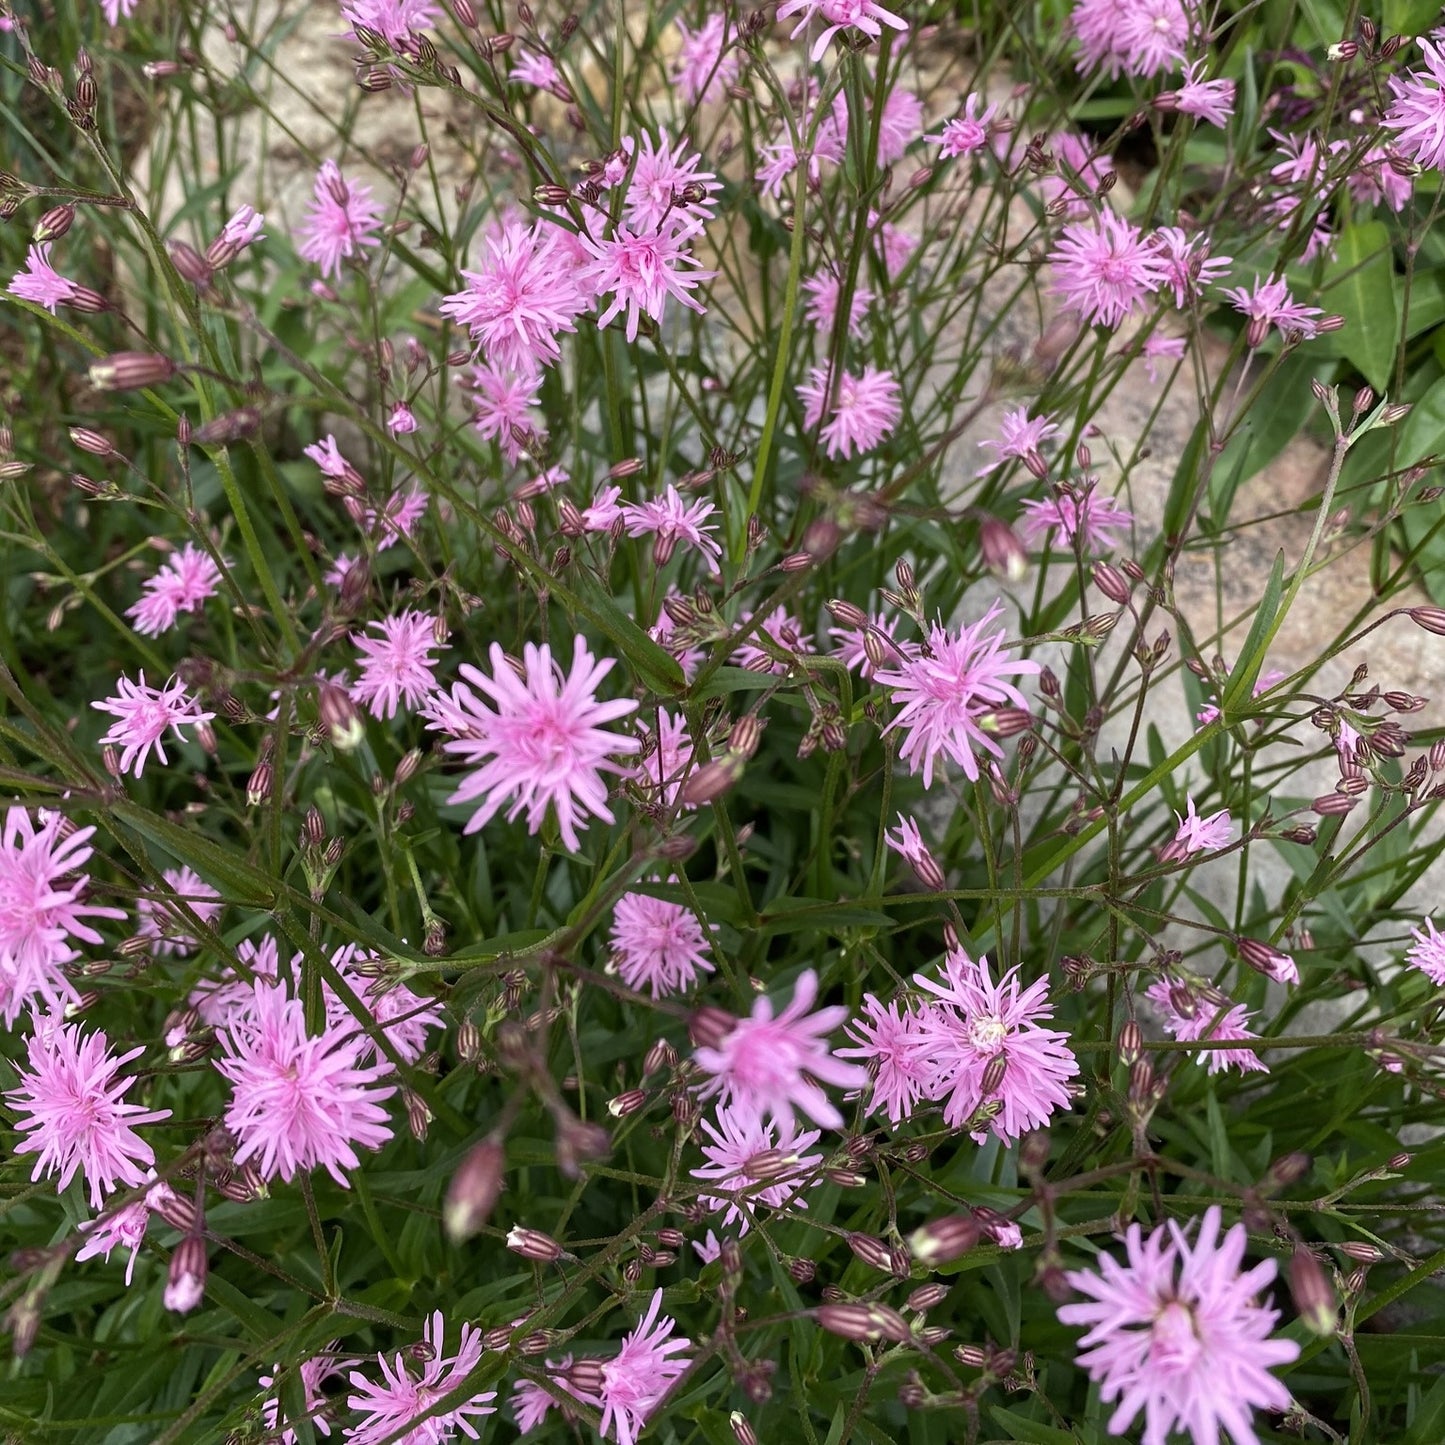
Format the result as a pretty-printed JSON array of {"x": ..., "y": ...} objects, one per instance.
[
  {"x": 1020, "y": 1427},
  {"x": 1261, "y": 633},
  {"x": 653, "y": 664},
  {"x": 1360, "y": 285}
]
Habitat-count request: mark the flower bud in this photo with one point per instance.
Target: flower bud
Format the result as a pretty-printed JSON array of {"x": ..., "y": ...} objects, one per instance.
[
  {"x": 340, "y": 717},
  {"x": 533, "y": 1244},
  {"x": 862, "y": 1323},
  {"x": 942, "y": 1240},
  {"x": 1003, "y": 552},
  {"x": 131, "y": 370},
  {"x": 186, "y": 1277},
  {"x": 743, "y": 1432},
  {"x": 627, "y": 1102},
  {"x": 53, "y": 224},
  {"x": 926, "y": 1296},
  {"x": 1314, "y": 1296},
  {"x": 1274, "y": 965},
  {"x": 873, "y": 1252},
  {"x": 474, "y": 1190}
]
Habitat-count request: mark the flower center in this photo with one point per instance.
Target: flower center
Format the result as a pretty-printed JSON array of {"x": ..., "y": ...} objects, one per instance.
[
  {"x": 1175, "y": 1346},
  {"x": 987, "y": 1034}
]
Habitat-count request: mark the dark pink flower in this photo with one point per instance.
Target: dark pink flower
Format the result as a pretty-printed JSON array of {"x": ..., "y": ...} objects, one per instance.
[
  {"x": 298, "y": 1101},
  {"x": 657, "y": 944},
  {"x": 771, "y": 1067},
  {"x": 1177, "y": 1332},
  {"x": 545, "y": 744},
  {"x": 69, "y": 1106},
  {"x": 341, "y": 219},
  {"x": 182, "y": 583},
  {"x": 143, "y": 717}
]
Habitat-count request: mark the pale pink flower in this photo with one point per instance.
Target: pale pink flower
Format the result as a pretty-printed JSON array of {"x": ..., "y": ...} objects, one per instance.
[
  {"x": 545, "y": 745},
  {"x": 116, "y": 10},
  {"x": 899, "y": 126},
  {"x": 967, "y": 132},
  {"x": 824, "y": 292},
  {"x": 1198, "y": 835},
  {"x": 1194, "y": 1012},
  {"x": 863, "y": 15},
  {"x": 1265, "y": 959},
  {"x": 1262, "y": 685},
  {"x": 909, "y": 845},
  {"x": 1270, "y": 304},
  {"x": 943, "y": 700},
  {"x": 242, "y": 229},
  {"x": 1105, "y": 271},
  {"x": 1374, "y": 181},
  {"x": 1178, "y": 1333},
  {"x": 328, "y": 457},
  {"x": 402, "y": 421},
  {"x": 861, "y": 410},
  {"x": 1427, "y": 953},
  {"x": 405, "y": 1018},
  {"x": 314, "y": 1399},
  {"x": 531, "y": 1401},
  {"x": 1135, "y": 37},
  {"x": 1188, "y": 266},
  {"x": 891, "y": 1042},
  {"x": 1417, "y": 110},
  {"x": 605, "y": 512},
  {"x": 298, "y": 1101},
  {"x": 231, "y": 993},
  {"x": 397, "y": 20},
  {"x": 666, "y": 766},
  {"x": 164, "y": 917},
  {"x": 1158, "y": 347},
  {"x": 829, "y": 145},
  {"x": 43, "y": 884},
  {"x": 1021, "y": 438},
  {"x": 531, "y": 67},
  {"x": 705, "y": 67},
  {"x": 523, "y": 295},
  {"x": 398, "y": 665},
  {"x": 637, "y": 1379},
  {"x": 785, "y": 631},
  {"x": 671, "y": 520},
  {"x": 657, "y": 944},
  {"x": 736, "y": 1139},
  {"x": 851, "y": 648},
  {"x": 641, "y": 272},
  {"x": 660, "y": 173},
  {"x": 69, "y": 1106},
  {"x": 770, "y": 1067},
  {"x": 1211, "y": 101},
  {"x": 122, "y": 1228},
  {"x": 396, "y": 518},
  {"x": 144, "y": 715},
  {"x": 40, "y": 282},
  {"x": 341, "y": 219},
  {"x": 1083, "y": 512},
  {"x": 412, "y": 1382},
  {"x": 895, "y": 245},
  {"x": 972, "y": 1022},
  {"x": 182, "y": 583},
  {"x": 503, "y": 401}
]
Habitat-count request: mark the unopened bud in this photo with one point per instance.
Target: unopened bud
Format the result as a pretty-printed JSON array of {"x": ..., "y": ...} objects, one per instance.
[
  {"x": 861, "y": 1323},
  {"x": 942, "y": 1240},
  {"x": 340, "y": 717},
  {"x": 873, "y": 1252},
  {"x": 53, "y": 224},
  {"x": 1314, "y": 1296},
  {"x": 533, "y": 1244},
  {"x": 474, "y": 1190},
  {"x": 627, "y": 1102},
  {"x": 131, "y": 370},
  {"x": 186, "y": 1276}
]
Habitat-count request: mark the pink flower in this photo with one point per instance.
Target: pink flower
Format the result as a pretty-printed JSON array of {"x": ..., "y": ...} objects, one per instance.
[
  {"x": 242, "y": 229},
  {"x": 1270, "y": 304},
  {"x": 341, "y": 219},
  {"x": 218, "y": 1000},
  {"x": 531, "y": 1401},
  {"x": 861, "y": 410},
  {"x": 404, "y": 1017},
  {"x": 660, "y": 174},
  {"x": 523, "y": 295},
  {"x": 737, "y": 1140},
  {"x": 545, "y": 743},
  {"x": 864, "y": 15},
  {"x": 604, "y": 513},
  {"x": 770, "y": 1067},
  {"x": 1262, "y": 685},
  {"x": 671, "y": 520},
  {"x": 975, "y": 1023},
  {"x": 657, "y": 943},
  {"x": 967, "y": 132},
  {"x": 1157, "y": 348},
  {"x": 402, "y": 421},
  {"x": 1021, "y": 438},
  {"x": 42, "y": 908},
  {"x": 943, "y": 699},
  {"x": 1427, "y": 953},
  {"x": 1211, "y": 101},
  {"x": 909, "y": 845},
  {"x": 503, "y": 401},
  {"x": 124, "y": 1227},
  {"x": 297, "y": 1101},
  {"x": 641, "y": 272},
  {"x": 898, "y": 127},
  {"x": 143, "y": 716},
  {"x": 314, "y": 1400},
  {"x": 1417, "y": 113},
  {"x": 531, "y": 67},
  {"x": 164, "y": 917},
  {"x": 786, "y": 633},
  {"x": 1078, "y": 178},
  {"x": 705, "y": 68},
  {"x": 1198, "y": 835},
  {"x": 398, "y": 665},
  {"x": 396, "y": 20},
  {"x": 40, "y": 282},
  {"x": 182, "y": 583},
  {"x": 412, "y": 1382},
  {"x": 1194, "y": 1012},
  {"x": 1105, "y": 270},
  {"x": 636, "y": 1380},
  {"x": 1084, "y": 513},
  {"x": 1376, "y": 181},
  {"x": 327, "y": 456},
  {"x": 894, "y": 244},
  {"x": 891, "y": 1042},
  {"x": 1178, "y": 1333},
  {"x": 852, "y": 645},
  {"x": 69, "y": 1107},
  {"x": 1136, "y": 37},
  {"x": 116, "y": 10},
  {"x": 689, "y": 657},
  {"x": 1188, "y": 266},
  {"x": 663, "y": 768},
  {"x": 396, "y": 518},
  {"x": 823, "y": 296}
]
